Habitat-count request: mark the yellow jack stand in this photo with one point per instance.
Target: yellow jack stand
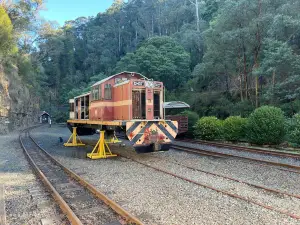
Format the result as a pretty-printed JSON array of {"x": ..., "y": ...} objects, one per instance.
[
  {"x": 74, "y": 137},
  {"x": 113, "y": 140},
  {"x": 101, "y": 150}
]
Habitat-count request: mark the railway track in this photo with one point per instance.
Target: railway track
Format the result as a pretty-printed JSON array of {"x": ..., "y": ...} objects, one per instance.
[
  {"x": 80, "y": 201},
  {"x": 259, "y": 202},
  {"x": 230, "y": 193},
  {"x": 279, "y": 194},
  {"x": 244, "y": 149},
  {"x": 296, "y": 169}
]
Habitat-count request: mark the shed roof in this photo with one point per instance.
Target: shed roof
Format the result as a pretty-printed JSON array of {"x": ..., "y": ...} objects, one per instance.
[
  {"x": 108, "y": 78},
  {"x": 176, "y": 105},
  {"x": 43, "y": 113}
]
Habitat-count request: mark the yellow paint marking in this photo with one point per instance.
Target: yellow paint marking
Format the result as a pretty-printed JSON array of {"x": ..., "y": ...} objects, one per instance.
[
  {"x": 169, "y": 129},
  {"x": 110, "y": 104},
  {"x": 97, "y": 122}
]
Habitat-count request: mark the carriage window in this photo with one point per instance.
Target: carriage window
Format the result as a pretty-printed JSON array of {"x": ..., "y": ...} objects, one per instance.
[
  {"x": 100, "y": 92},
  {"x": 96, "y": 93},
  {"x": 107, "y": 92},
  {"x": 72, "y": 107}
]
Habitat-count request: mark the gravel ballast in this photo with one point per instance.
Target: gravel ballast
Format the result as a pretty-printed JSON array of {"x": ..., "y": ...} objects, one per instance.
[
  {"x": 266, "y": 157},
  {"x": 158, "y": 198},
  {"x": 26, "y": 200}
]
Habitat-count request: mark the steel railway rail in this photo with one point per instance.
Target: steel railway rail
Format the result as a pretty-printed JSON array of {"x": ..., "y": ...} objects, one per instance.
[
  {"x": 225, "y": 192},
  {"x": 226, "y": 155},
  {"x": 80, "y": 201},
  {"x": 296, "y": 169},
  {"x": 244, "y": 149}
]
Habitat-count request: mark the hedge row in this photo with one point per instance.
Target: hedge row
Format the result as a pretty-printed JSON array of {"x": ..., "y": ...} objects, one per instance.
[
  {"x": 266, "y": 125},
  {"x": 294, "y": 130}
]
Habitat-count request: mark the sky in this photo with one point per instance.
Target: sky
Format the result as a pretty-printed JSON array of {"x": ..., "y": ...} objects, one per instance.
[{"x": 63, "y": 10}]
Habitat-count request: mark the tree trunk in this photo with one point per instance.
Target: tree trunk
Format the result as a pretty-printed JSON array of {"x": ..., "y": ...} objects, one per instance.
[
  {"x": 159, "y": 21},
  {"x": 152, "y": 26},
  {"x": 226, "y": 78},
  {"x": 197, "y": 14},
  {"x": 256, "y": 65},
  {"x": 245, "y": 73},
  {"x": 241, "y": 77},
  {"x": 119, "y": 41},
  {"x": 257, "y": 50},
  {"x": 241, "y": 87},
  {"x": 136, "y": 34},
  {"x": 273, "y": 85},
  {"x": 273, "y": 79},
  {"x": 256, "y": 91}
]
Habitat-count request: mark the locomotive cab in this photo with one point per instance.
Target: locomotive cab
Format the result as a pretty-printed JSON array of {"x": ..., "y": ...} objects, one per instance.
[{"x": 147, "y": 100}]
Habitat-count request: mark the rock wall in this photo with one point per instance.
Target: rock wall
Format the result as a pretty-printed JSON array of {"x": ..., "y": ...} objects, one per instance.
[{"x": 18, "y": 109}]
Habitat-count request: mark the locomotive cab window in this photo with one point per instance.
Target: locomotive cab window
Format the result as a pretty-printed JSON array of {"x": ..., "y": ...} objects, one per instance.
[
  {"x": 107, "y": 92},
  {"x": 156, "y": 105},
  {"x": 77, "y": 108},
  {"x": 138, "y": 104},
  {"x": 82, "y": 109},
  {"x": 100, "y": 92},
  {"x": 87, "y": 105}
]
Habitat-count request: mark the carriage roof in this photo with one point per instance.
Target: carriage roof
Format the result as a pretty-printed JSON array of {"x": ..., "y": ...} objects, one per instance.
[{"x": 125, "y": 72}]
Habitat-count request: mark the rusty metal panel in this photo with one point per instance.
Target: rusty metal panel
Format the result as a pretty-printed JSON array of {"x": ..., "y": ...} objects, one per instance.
[
  {"x": 136, "y": 104},
  {"x": 149, "y": 104},
  {"x": 182, "y": 122},
  {"x": 122, "y": 102}
]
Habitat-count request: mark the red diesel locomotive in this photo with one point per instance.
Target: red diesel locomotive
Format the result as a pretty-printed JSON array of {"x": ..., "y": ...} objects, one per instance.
[{"x": 126, "y": 101}]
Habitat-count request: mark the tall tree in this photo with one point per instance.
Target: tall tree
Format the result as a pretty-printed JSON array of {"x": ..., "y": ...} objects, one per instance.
[
  {"x": 160, "y": 58},
  {"x": 6, "y": 34}
]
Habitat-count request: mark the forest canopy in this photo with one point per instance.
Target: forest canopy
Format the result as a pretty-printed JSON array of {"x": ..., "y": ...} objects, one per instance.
[{"x": 224, "y": 57}]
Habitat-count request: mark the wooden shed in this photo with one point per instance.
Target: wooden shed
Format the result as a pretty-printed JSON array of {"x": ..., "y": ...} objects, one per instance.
[{"x": 44, "y": 117}]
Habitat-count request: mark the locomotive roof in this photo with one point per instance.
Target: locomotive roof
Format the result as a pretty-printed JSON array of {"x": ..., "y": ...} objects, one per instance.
[
  {"x": 175, "y": 105},
  {"x": 108, "y": 78}
]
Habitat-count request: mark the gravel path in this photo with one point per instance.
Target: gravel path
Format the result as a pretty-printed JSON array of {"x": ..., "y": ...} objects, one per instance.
[
  {"x": 26, "y": 200},
  {"x": 157, "y": 198},
  {"x": 278, "y": 159}
]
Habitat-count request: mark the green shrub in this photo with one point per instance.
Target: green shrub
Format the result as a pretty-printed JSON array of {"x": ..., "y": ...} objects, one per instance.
[
  {"x": 192, "y": 120},
  {"x": 208, "y": 128},
  {"x": 294, "y": 130},
  {"x": 234, "y": 128},
  {"x": 266, "y": 125}
]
